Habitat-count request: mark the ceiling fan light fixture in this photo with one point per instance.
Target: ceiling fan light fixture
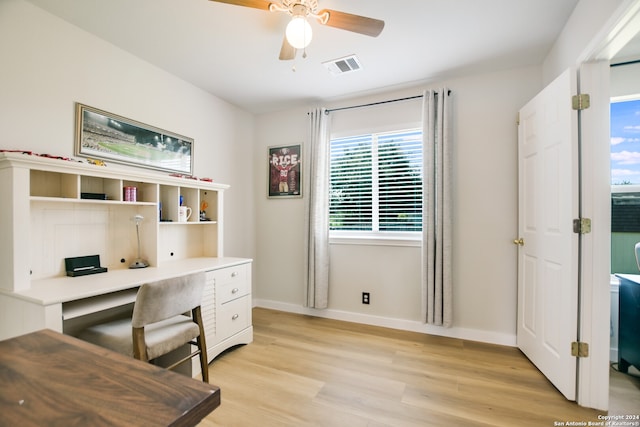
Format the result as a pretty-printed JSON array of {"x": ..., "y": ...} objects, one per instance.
[{"x": 299, "y": 32}]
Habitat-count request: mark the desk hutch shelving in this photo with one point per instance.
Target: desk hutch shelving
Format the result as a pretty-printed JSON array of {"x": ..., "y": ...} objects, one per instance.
[{"x": 44, "y": 219}]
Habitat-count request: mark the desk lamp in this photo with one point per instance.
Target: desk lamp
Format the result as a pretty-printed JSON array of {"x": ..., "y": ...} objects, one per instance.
[{"x": 139, "y": 262}]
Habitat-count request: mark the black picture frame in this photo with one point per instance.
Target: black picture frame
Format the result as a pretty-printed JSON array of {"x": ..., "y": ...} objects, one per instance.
[{"x": 285, "y": 171}]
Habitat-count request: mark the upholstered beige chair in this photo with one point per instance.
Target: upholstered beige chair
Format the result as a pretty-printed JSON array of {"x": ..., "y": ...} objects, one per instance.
[{"x": 159, "y": 324}]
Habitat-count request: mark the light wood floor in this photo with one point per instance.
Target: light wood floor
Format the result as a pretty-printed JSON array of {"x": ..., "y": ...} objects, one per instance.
[{"x": 306, "y": 371}]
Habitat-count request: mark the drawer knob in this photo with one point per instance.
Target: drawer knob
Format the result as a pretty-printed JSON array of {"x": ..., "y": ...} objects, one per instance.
[
  {"x": 234, "y": 274},
  {"x": 235, "y": 316},
  {"x": 235, "y": 290}
]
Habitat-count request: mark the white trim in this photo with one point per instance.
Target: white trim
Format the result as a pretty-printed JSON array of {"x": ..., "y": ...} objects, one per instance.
[
  {"x": 632, "y": 188},
  {"x": 392, "y": 323},
  {"x": 614, "y": 290},
  {"x": 625, "y": 98},
  {"x": 375, "y": 238},
  {"x": 594, "y": 315},
  {"x": 593, "y": 372},
  {"x": 621, "y": 27}
]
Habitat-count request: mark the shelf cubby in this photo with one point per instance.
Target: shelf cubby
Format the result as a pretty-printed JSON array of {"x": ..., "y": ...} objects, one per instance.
[
  {"x": 145, "y": 191},
  {"x": 53, "y": 184},
  {"x": 99, "y": 185},
  {"x": 209, "y": 204},
  {"x": 169, "y": 199},
  {"x": 191, "y": 199}
]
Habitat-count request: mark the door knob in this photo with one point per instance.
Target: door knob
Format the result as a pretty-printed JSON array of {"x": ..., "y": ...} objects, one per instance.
[{"x": 519, "y": 242}]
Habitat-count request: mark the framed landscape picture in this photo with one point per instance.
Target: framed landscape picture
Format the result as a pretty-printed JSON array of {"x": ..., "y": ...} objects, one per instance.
[
  {"x": 285, "y": 171},
  {"x": 107, "y": 136}
]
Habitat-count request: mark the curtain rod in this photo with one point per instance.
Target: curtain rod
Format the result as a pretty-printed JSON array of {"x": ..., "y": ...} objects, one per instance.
[
  {"x": 377, "y": 103},
  {"x": 625, "y": 63},
  {"x": 372, "y": 104}
]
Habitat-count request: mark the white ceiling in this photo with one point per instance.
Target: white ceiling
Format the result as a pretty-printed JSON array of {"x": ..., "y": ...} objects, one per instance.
[{"x": 232, "y": 51}]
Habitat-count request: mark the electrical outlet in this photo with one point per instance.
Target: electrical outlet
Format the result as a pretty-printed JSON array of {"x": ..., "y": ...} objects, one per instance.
[{"x": 365, "y": 297}]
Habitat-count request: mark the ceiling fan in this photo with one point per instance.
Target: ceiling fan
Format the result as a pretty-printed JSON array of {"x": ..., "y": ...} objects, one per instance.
[{"x": 298, "y": 33}]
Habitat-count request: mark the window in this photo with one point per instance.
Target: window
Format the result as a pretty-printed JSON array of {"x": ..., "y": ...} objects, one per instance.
[
  {"x": 376, "y": 183},
  {"x": 625, "y": 165},
  {"x": 625, "y": 183},
  {"x": 625, "y": 136}
]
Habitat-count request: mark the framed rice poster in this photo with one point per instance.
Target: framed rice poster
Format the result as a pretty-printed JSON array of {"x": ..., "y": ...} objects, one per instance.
[{"x": 285, "y": 171}]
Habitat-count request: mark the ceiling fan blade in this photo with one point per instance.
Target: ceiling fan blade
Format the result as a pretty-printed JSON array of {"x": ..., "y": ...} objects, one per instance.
[
  {"x": 287, "y": 52},
  {"x": 256, "y": 4},
  {"x": 347, "y": 21}
]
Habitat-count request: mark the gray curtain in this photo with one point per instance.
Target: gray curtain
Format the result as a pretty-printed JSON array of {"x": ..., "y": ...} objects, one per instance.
[
  {"x": 437, "y": 306},
  {"x": 316, "y": 196}
]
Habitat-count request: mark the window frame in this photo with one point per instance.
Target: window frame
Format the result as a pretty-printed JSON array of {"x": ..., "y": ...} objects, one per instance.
[{"x": 371, "y": 237}]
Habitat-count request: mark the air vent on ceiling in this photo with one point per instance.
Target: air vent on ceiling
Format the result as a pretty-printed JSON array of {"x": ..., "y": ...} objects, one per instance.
[{"x": 343, "y": 65}]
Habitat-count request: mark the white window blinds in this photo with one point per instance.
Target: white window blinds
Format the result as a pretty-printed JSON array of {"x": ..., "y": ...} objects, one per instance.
[{"x": 376, "y": 182}]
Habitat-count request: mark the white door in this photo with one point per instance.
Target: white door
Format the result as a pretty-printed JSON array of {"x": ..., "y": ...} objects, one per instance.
[{"x": 548, "y": 251}]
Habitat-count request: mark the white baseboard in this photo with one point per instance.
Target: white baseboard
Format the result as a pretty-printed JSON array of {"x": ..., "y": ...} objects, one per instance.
[{"x": 387, "y": 322}]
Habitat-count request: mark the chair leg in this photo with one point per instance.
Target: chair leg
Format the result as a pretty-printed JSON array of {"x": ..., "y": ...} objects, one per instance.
[
  {"x": 139, "y": 344},
  {"x": 202, "y": 344},
  {"x": 204, "y": 366}
]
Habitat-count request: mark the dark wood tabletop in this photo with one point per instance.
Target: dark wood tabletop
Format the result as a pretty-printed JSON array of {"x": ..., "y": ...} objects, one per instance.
[{"x": 51, "y": 379}]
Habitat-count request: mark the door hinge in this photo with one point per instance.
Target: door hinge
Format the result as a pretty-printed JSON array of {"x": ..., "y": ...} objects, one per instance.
[
  {"x": 582, "y": 225},
  {"x": 579, "y": 349},
  {"x": 518, "y": 119},
  {"x": 581, "y": 101}
]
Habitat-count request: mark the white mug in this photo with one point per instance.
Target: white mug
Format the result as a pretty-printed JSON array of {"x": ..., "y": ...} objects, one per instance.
[{"x": 184, "y": 213}]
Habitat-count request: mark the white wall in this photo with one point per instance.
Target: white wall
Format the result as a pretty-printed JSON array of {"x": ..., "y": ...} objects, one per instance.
[
  {"x": 485, "y": 220},
  {"x": 579, "y": 36},
  {"x": 47, "y": 65},
  {"x": 624, "y": 80}
]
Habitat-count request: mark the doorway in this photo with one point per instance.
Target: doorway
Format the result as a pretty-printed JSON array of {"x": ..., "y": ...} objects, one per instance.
[
  {"x": 625, "y": 180},
  {"x": 621, "y": 39}
]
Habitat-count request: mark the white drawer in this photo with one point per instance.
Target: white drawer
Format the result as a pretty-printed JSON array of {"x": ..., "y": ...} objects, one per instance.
[
  {"x": 232, "y": 282},
  {"x": 236, "y": 273},
  {"x": 235, "y": 316}
]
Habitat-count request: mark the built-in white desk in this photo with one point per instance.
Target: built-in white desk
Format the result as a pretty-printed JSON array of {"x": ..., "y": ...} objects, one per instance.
[
  {"x": 65, "y": 289},
  {"x": 63, "y": 303}
]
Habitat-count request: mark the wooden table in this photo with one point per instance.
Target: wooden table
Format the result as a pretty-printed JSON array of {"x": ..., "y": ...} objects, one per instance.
[{"x": 47, "y": 378}]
